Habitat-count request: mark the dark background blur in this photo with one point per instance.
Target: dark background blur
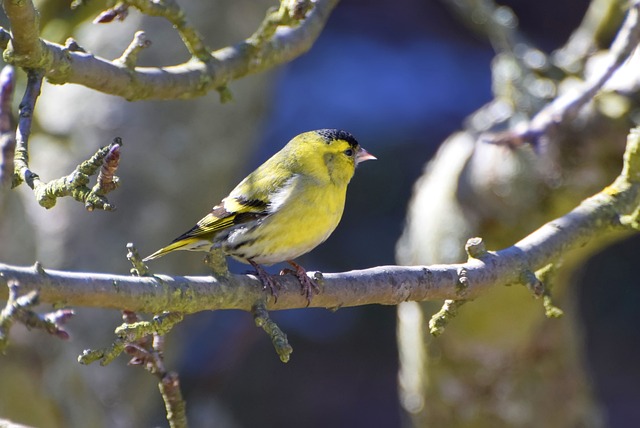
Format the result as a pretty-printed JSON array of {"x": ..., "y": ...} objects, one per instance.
[{"x": 401, "y": 76}]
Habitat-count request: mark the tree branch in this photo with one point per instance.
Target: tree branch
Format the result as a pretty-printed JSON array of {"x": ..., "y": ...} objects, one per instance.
[
  {"x": 188, "y": 80},
  {"x": 104, "y": 162},
  {"x": 25, "y": 30},
  {"x": 144, "y": 341},
  {"x": 18, "y": 309},
  {"x": 7, "y": 130},
  {"x": 170, "y": 10},
  {"x": 566, "y": 107},
  {"x": 606, "y": 214},
  {"x": 25, "y": 114}
]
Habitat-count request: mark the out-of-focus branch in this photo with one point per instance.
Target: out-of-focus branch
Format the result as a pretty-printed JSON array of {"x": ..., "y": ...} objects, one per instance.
[
  {"x": 608, "y": 213},
  {"x": 5, "y": 38},
  {"x": 521, "y": 72},
  {"x": 191, "y": 79},
  {"x": 7, "y": 130},
  {"x": 567, "y": 106},
  {"x": 18, "y": 309},
  {"x": 600, "y": 21},
  {"x": 498, "y": 23}
]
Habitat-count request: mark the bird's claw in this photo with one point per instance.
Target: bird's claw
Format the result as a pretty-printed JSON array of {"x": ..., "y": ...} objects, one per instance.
[
  {"x": 308, "y": 285},
  {"x": 268, "y": 282}
]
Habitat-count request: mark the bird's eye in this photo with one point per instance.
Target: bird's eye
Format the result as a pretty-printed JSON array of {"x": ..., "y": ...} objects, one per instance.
[{"x": 348, "y": 152}]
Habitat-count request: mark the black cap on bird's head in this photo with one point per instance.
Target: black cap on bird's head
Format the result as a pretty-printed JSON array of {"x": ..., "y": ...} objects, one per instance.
[
  {"x": 330, "y": 135},
  {"x": 335, "y": 134}
]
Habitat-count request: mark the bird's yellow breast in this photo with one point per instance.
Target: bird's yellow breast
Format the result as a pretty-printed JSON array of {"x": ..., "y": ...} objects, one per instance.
[{"x": 306, "y": 219}]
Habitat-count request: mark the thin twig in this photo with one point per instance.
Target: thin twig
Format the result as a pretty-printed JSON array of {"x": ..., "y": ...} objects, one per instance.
[
  {"x": 439, "y": 320},
  {"x": 278, "y": 338},
  {"x": 7, "y": 130},
  {"x": 129, "y": 57},
  {"x": 287, "y": 14},
  {"x": 118, "y": 12},
  {"x": 148, "y": 352},
  {"x": 129, "y": 333},
  {"x": 175, "y": 405},
  {"x": 139, "y": 268},
  {"x": 171, "y": 11},
  {"x": 18, "y": 309},
  {"x": 74, "y": 184},
  {"x": 7, "y": 88},
  {"x": 25, "y": 120},
  {"x": 144, "y": 342}
]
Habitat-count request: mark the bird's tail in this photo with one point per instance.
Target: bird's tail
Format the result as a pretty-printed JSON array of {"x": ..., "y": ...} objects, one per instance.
[{"x": 183, "y": 244}]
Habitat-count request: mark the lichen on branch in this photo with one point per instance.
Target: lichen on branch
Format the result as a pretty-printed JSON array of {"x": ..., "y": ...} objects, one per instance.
[
  {"x": 75, "y": 184},
  {"x": 104, "y": 163},
  {"x": 300, "y": 27},
  {"x": 19, "y": 309}
]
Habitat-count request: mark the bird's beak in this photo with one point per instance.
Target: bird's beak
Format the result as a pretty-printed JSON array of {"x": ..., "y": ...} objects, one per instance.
[{"x": 364, "y": 155}]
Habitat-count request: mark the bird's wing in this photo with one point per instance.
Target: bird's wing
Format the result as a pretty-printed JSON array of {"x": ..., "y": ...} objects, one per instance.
[
  {"x": 218, "y": 219},
  {"x": 252, "y": 199},
  {"x": 230, "y": 212}
]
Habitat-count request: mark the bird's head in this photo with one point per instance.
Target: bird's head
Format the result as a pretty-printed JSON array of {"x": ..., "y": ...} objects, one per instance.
[{"x": 329, "y": 154}]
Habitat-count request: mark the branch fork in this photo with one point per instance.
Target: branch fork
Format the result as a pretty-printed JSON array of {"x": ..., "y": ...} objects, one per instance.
[{"x": 18, "y": 309}]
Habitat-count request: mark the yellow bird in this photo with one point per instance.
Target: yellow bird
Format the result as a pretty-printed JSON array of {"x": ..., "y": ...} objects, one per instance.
[{"x": 285, "y": 208}]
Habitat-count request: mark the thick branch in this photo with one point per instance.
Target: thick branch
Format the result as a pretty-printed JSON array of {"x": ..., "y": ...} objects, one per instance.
[
  {"x": 606, "y": 214},
  {"x": 186, "y": 80},
  {"x": 613, "y": 210},
  {"x": 25, "y": 30}
]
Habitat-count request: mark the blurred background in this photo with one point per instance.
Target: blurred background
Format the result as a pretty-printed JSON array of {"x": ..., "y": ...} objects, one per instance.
[{"x": 402, "y": 76}]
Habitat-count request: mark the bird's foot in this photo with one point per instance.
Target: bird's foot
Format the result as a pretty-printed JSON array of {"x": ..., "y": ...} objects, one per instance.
[
  {"x": 309, "y": 286},
  {"x": 268, "y": 281}
]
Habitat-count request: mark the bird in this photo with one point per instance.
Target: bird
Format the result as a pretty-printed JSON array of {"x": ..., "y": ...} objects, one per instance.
[{"x": 285, "y": 208}]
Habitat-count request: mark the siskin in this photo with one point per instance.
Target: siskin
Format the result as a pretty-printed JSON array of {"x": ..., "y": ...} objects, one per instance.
[{"x": 285, "y": 208}]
